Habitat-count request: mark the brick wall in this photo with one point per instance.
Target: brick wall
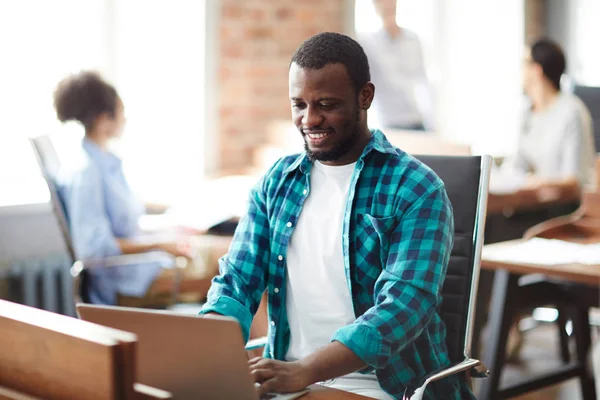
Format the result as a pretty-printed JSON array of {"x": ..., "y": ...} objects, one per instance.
[
  {"x": 257, "y": 39},
  {"x": 535, "y": 20}
]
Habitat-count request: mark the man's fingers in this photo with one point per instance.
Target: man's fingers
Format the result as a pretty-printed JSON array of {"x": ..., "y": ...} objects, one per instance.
[
  {"x": 254, "y": 360},
  {"x": 262, "y": 375},
  {"x": 268, "y": 386},
  {"x": 261, "y": 362}
]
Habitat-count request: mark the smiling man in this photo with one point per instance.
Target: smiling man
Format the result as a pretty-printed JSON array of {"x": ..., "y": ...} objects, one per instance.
[{"x": 351, "y": 241}]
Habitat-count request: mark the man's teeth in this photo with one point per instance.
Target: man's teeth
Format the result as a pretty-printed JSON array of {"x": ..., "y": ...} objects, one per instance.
[{"x": 317, "y": 135}]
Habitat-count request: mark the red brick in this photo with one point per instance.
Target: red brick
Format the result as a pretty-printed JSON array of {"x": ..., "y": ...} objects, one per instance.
[{"x": 257, "y": 39}]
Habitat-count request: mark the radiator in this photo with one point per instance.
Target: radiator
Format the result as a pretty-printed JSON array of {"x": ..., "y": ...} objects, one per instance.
[{"x": 45, "y": 284}]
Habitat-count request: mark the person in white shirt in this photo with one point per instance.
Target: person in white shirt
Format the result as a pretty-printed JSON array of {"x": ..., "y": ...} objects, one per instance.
[
  {"x": 556, "y": 145},
  {"x": 555, "y": 157},
  {"x": 403, "y": 98}
]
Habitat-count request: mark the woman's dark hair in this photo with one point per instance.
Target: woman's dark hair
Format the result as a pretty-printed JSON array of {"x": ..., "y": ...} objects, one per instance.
[
  {"x": 83, "y": 97},
  {"x": 551, "y": 58}
]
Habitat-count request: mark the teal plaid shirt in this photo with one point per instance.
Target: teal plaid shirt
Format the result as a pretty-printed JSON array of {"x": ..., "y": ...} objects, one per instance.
[{"x": 397, "y": 236}]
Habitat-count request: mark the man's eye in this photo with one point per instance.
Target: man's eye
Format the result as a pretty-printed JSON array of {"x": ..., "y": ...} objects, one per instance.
[
  {"x": 327, "y": 106},
  {"x": 298, "y": 105}
]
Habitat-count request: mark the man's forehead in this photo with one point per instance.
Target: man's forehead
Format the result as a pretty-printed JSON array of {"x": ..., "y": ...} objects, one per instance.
[{"x": 333, "y": 73}]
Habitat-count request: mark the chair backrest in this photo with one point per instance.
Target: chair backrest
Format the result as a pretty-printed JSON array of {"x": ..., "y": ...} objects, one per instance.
[
  {"x": 590, "y": 96},
  {"x": 466, "y": 180},
  {"x": 49, "y": 163}
]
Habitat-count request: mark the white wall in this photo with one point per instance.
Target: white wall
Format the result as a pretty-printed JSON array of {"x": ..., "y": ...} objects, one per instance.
[
  {"x": 574, "y": 24},
  {"x": 159, "y": 70},
  {"x": 29, "y": 232},
  {"x": 481, "y": 45}
]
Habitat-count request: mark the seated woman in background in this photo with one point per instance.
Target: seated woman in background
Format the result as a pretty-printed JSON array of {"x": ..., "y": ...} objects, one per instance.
[
  {"x": 556, "y": 144},
  {"x": 555, "y": 158},
  {"x": 101, "y": 209}
]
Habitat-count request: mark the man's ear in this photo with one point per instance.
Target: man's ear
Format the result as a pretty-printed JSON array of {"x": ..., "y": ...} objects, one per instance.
[{"x": 366, "y": 95}]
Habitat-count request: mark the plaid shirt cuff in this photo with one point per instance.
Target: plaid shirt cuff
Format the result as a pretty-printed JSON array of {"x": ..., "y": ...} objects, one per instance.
[
  {"x": 365, "y": 342},
  {"x": 230, "y": 308}
]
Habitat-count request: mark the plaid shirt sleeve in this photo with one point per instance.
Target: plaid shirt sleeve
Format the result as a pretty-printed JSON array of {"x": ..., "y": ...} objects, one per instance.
[
  {"x": 408, "y": 289},
  {"x": 237, "y": 291}
]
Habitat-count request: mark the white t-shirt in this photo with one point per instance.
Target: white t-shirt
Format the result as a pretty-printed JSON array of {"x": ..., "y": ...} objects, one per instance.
[
  {"x": 402, "y": 93},
  {"x": 318, "y": 298},
  {"x": 558, "y": 142}
]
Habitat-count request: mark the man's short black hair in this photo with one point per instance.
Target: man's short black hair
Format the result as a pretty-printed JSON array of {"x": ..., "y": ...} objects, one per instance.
[
  {"x": 333, "y": 48},
  {"x": 551, "y": 58}
]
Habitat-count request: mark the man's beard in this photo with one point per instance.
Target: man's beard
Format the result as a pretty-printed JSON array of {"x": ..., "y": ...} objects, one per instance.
[{"x": 352, "y": 127}]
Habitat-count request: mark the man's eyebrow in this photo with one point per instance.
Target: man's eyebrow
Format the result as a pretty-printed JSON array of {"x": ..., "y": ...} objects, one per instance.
[
  {"x": 320, "y": 99},
  {"x": 328, "y": 99}
]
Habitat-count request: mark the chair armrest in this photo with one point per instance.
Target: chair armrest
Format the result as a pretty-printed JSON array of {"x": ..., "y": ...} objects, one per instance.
[
  {"x": 127, "y": 259},
  {"x": 256, "y": 343},
  {"x": 123, "y": 261},
  {"x": 130, "y": 259},
  {"x": 416, "y": 392},
  {"x": 144, "y": 392}
]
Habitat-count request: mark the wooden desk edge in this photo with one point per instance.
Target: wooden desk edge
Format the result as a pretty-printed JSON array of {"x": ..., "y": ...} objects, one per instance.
[
  {"x": 564, "y": 271},
  {"x": 321, "y": 392},
  {"x": 11, "y": 394}
]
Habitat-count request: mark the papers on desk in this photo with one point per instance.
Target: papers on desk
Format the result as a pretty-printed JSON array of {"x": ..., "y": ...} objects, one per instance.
[
  {"x": 206, "y": 205},
  {"x": 545, "y": 252},
  {"x": 506, "y": 180}
]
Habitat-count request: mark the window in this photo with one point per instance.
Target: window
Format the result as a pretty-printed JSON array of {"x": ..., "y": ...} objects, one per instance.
[
  {"x": 151, "y": 50},
  {"x": 585, "y": 57}
]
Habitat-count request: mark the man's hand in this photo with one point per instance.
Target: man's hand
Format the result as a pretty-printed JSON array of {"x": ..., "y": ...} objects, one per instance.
[
  {"x": 328, "y": 362},
  {"x": 279, "y": 376}
]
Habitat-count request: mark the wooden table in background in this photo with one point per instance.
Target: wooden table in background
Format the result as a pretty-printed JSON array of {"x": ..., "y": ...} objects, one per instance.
[
  {"x": 505, "y": 297},
  {"x": 575, "y": 272},
  {"x": 527, "y": 200}
]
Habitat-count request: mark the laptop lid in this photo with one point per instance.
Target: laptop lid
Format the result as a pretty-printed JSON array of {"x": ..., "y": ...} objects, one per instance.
[{"x": 189, "y": 356}]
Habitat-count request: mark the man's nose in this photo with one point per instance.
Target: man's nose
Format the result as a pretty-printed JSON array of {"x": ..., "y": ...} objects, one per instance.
[{"x": 312, "y": 117}]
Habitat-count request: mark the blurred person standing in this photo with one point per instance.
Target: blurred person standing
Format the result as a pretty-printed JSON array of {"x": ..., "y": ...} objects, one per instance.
[
  {"x": 101, "y": 209},
  {"x": 403, "y": 98}
]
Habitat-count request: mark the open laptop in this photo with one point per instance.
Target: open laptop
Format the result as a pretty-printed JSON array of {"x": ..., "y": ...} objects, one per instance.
[{"x": 189, "y": 356}]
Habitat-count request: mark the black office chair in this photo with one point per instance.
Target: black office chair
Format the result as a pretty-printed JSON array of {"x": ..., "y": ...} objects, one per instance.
[
  {"x": 49, "y": 164},
  {"x": 466, "y": 180}
]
